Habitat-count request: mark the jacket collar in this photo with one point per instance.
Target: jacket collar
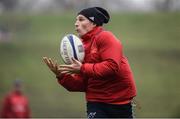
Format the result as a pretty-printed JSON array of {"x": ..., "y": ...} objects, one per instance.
[{"x": 92, "y": 33}]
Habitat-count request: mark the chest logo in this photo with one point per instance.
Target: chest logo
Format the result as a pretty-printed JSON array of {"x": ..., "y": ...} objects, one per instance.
[{"x": 94, "y": 50}]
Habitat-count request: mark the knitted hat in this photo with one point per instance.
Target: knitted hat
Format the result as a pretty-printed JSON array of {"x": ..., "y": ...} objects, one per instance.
[{"x": 97, "y": 15}]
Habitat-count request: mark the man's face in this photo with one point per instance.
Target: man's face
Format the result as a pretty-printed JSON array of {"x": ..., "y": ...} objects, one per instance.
[
  {"x": 18, "y": 87},
  {"x": 83, "y": 25}
]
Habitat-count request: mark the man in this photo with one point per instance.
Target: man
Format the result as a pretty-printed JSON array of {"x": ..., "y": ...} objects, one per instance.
[
  {"x": 15, "y": 104},
  {"x": 104, "y": 75}
]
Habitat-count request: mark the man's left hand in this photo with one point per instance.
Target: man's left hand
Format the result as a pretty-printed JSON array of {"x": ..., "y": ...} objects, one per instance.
[{"x": 75, "y": 67}]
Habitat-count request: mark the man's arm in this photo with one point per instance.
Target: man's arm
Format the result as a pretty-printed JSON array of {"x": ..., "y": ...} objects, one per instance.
[{"x": 73, "y": 82}]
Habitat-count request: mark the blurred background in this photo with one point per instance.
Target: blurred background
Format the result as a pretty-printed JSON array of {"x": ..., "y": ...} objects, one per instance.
[{"x": 148, "y": 29}]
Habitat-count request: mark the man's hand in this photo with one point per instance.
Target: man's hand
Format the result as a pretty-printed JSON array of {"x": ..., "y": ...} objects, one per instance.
[
  {"x": 53, "y": 66},
  {"x": 75, "y": 67}
]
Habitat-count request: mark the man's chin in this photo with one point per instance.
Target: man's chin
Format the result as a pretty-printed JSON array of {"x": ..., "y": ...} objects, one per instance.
[{"x": 79, "y": 34}]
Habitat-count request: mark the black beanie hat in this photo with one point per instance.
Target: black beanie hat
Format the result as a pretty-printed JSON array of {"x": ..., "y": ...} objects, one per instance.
[{"x": 97, "y": 15}]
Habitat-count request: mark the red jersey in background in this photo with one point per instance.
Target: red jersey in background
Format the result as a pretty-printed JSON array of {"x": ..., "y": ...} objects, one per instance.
[{"x": 15, "y": 105}]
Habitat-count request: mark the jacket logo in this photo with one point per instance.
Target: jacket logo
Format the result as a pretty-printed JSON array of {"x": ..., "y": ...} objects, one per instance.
[{"x": 94, "y": 50}]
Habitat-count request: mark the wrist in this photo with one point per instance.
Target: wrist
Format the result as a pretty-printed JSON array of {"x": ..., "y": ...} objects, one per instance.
[{"x": 59, "y": 76}]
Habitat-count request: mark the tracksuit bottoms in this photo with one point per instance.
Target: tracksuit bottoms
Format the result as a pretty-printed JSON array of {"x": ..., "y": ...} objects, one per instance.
[{"x": 103, "y": 110}]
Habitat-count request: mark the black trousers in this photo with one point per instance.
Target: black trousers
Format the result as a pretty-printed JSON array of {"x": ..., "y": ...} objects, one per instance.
[{"x": 103, "y": 110}]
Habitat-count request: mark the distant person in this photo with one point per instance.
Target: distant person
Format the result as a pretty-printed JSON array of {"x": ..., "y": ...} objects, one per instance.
[
  {"x": 15, "y": 104},
  {"x": 104, "y": 75}
]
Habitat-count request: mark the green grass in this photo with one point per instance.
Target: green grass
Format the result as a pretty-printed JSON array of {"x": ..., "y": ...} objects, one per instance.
[{"x": 151, "y": 43}]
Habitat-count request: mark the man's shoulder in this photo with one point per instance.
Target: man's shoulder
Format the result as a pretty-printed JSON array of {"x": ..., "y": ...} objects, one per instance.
[
  {"x": 105, "y": 33},
  {"x": 106, "y": 36}
]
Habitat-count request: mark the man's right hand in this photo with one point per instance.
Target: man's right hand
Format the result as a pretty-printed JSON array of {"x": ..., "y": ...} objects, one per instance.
[{"x": 53, "y": 66}]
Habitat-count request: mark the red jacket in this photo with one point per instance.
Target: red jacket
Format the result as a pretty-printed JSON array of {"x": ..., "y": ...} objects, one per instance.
[
  {"x": 105, "y": 74},
  {"x": 15, "y": 106}
]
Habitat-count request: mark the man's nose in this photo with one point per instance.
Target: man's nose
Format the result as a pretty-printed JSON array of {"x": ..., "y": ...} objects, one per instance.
[{"x": 76, "y": 24}]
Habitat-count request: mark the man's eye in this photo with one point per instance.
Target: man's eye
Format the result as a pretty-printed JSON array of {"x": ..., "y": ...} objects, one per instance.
[{"x": 81, "y": 19}]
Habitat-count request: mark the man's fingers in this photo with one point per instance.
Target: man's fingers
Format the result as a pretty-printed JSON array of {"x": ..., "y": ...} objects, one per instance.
[
  {"x": 51, "y": 62},
  {"x": 74, "y": 60},
  {"x": 66, "y": 72},
  {"x": 64, "y": 69},
  {"x": 53, "y": 66},
  {"x": 45, "y": 59},
  {"x": 66, "y": 66},
  {"x": 56, "y": 65}
]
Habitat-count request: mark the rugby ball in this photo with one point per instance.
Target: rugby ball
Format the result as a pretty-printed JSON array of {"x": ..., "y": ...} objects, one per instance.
[{"x": 71, "y": 46}]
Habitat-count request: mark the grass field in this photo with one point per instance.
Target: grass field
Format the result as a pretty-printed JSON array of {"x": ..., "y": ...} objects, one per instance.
[{"x": 151, "y": 43}]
